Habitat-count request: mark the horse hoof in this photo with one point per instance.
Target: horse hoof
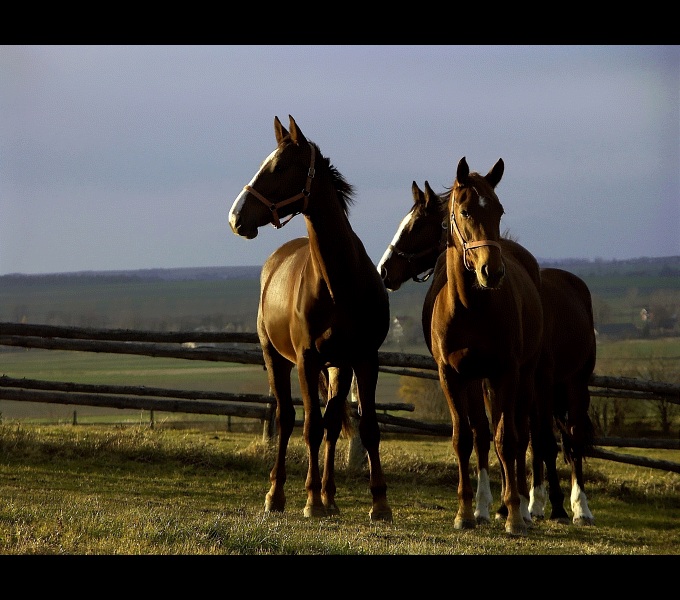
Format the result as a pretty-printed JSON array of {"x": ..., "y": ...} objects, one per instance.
[
  {"x": 271, "y": 506},
  {"x": 516, "y": 530},
  {"x": 584, "y": 521},
  {"x": 314, "y": 511},
  {"x": 461, "y": 523},
  {"x": 560, "y": 516},
  {"x": 483, "y": 520},
  {"x": 332, "y": 509},
  {"x": 381, "y": 514}
]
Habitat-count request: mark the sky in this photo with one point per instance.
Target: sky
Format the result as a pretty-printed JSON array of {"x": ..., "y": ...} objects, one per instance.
[{"x": 130, "y": 157}]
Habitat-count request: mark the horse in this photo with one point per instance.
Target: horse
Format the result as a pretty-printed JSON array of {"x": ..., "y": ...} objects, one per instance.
[
  {"x": 486, "y": 324},
  {"x": 323, "y": 308},
  {"x": 418, "y": 242},
  {"x": 567, "y": 359}
]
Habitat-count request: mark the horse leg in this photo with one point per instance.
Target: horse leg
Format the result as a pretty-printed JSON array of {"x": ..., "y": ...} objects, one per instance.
[
  {"x": 502, "y": 510},
  {"x": 278, "y": 373},
  {"x": 462, "y": 442},
  {"x": 507, "y": 446},
  {"x": 367, "y": 379},
  {"x": 339, "y": 382},
  {"x": 544, "y": 448},
  {"x": 580, "y": 428},
  {"x": 548, "y": 443},
  {"x": 482, "y": 445},
  {"x": 523, "y": 407},
  {"x": 555, "y": 494},
  {"x": 309, "y": 371}
]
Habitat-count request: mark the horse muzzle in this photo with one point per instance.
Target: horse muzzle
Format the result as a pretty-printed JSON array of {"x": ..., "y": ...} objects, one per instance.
[{"x": 490, "y": 278}]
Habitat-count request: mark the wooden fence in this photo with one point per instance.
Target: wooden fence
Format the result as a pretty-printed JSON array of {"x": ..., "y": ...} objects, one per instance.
[{"x": 227, "y": 347}]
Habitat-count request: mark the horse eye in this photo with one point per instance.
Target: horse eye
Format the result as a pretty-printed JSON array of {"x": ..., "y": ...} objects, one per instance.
[{"x": 465, "y": 214}]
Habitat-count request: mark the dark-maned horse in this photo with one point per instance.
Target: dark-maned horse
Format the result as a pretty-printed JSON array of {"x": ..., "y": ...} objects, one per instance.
[
  {"x": 418, "y": 242},
  {"x": 323, "y": 308},
  {"x": 567, "y": 359},
  {"x": 486, "y": 324}
]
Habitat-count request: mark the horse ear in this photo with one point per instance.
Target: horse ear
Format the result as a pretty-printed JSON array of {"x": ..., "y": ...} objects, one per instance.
[
  {"x": 295, "y": 134},
  {"x": 279, "y": 130},
  {"x": 462, "y": 171},
  {"x": 496, "y": 172},
  {"x": 418, "y": 197},
  {"x": 431, "y": 198}
]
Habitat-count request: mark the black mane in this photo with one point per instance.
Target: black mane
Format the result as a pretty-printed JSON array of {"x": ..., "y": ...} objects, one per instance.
[{"x": 344, "y": 189}]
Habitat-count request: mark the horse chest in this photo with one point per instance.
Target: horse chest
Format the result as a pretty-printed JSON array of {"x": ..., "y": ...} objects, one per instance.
[{"x": 469, "y": 340}]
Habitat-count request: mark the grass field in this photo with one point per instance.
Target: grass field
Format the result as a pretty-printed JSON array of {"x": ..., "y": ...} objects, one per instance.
[{"x": 133, "y": 490}]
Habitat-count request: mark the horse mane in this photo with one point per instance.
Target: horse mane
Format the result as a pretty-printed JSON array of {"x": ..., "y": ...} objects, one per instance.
[{"x": 344, "y": 189}]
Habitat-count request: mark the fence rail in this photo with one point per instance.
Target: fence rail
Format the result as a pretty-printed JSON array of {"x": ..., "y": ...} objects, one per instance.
[{"x": 225, "y": 347}]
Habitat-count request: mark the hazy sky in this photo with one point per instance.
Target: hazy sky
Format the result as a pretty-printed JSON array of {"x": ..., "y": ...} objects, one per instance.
[{"x": 130, "y": 157}]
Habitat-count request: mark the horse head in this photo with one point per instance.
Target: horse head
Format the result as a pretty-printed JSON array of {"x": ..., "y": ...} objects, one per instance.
[
  {"x": 280, "y": 189},
  {"x": 417, "y": 242},
  {"x": 475, "y": 216}
]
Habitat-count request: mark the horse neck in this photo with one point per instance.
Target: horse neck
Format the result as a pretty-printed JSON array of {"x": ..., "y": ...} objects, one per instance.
[
  {"x": 459, "y": 280},
  {"x": 332, "y": 242}
]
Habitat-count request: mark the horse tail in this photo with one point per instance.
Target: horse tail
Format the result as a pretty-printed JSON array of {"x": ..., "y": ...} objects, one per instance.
[
  {"x": 576, "y": 446},
  {"x": 347, "y": 419},
  {"x": 346, "y": 410}
]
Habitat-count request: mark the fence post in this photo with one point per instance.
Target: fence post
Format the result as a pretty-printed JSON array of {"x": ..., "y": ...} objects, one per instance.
[{"x": 75, "y": 419}]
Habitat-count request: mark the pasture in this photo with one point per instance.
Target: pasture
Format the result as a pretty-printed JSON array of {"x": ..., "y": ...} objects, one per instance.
[
  {"x": 124, "y": 488},
  {"x": 133, "y": 490}
]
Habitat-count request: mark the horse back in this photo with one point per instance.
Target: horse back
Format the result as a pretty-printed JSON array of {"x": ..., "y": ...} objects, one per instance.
[
  {"x": 568, "y": 322},
  {"x": 522, "y": 256}
]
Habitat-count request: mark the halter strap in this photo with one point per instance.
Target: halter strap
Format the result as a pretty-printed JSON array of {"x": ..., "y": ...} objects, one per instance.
[
  {"x": 467, "y": 246},
  {"x": 408, "y": 257},
  {"x": 304, "y": 194}
]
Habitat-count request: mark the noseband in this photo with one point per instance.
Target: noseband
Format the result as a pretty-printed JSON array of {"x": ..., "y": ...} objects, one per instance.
[
  {"x": 408, "y": 257},
  {"x": 467, "y": 246},
  {"x": 274, "y": 206}
]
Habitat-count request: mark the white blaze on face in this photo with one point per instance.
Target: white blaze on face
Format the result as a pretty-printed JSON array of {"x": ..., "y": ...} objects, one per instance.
[
  {"x": 388, "y": 252},
  {"x": 237, "y": 206}
]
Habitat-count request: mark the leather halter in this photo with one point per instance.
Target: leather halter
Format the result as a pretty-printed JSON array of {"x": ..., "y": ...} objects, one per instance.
[
  {"x": 408, "y": 257},
  {"x": 274, "y": 206},
  {"x": 467, "y": 246}
]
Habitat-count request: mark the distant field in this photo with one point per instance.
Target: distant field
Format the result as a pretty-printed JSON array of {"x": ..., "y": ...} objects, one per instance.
[
  {"x": 137, "y": 300},
  {"x": 214, "y": 300},
  {"x": 117, "y": 369}
]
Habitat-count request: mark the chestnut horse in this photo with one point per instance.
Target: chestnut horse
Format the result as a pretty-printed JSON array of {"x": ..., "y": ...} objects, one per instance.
[
  {"x": 323, "y": 309},
  {"x": 486, "y": 323},
  {"x": 567, "y": 359},
  {"x": 419, "y": 241}
]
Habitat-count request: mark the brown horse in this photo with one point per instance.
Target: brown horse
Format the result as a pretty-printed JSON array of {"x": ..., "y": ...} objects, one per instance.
[
  {"x": 567, "y": 359},
  {"x": 486, "y": 324},
  {"x": 419, "y": 241},
  {"x": 323, "y": 309}
]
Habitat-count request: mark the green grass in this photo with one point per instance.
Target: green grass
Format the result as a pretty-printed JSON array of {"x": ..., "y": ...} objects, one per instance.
[
  {"x": 121, "y": 369},
  {"x": 91, "y": 490}
]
